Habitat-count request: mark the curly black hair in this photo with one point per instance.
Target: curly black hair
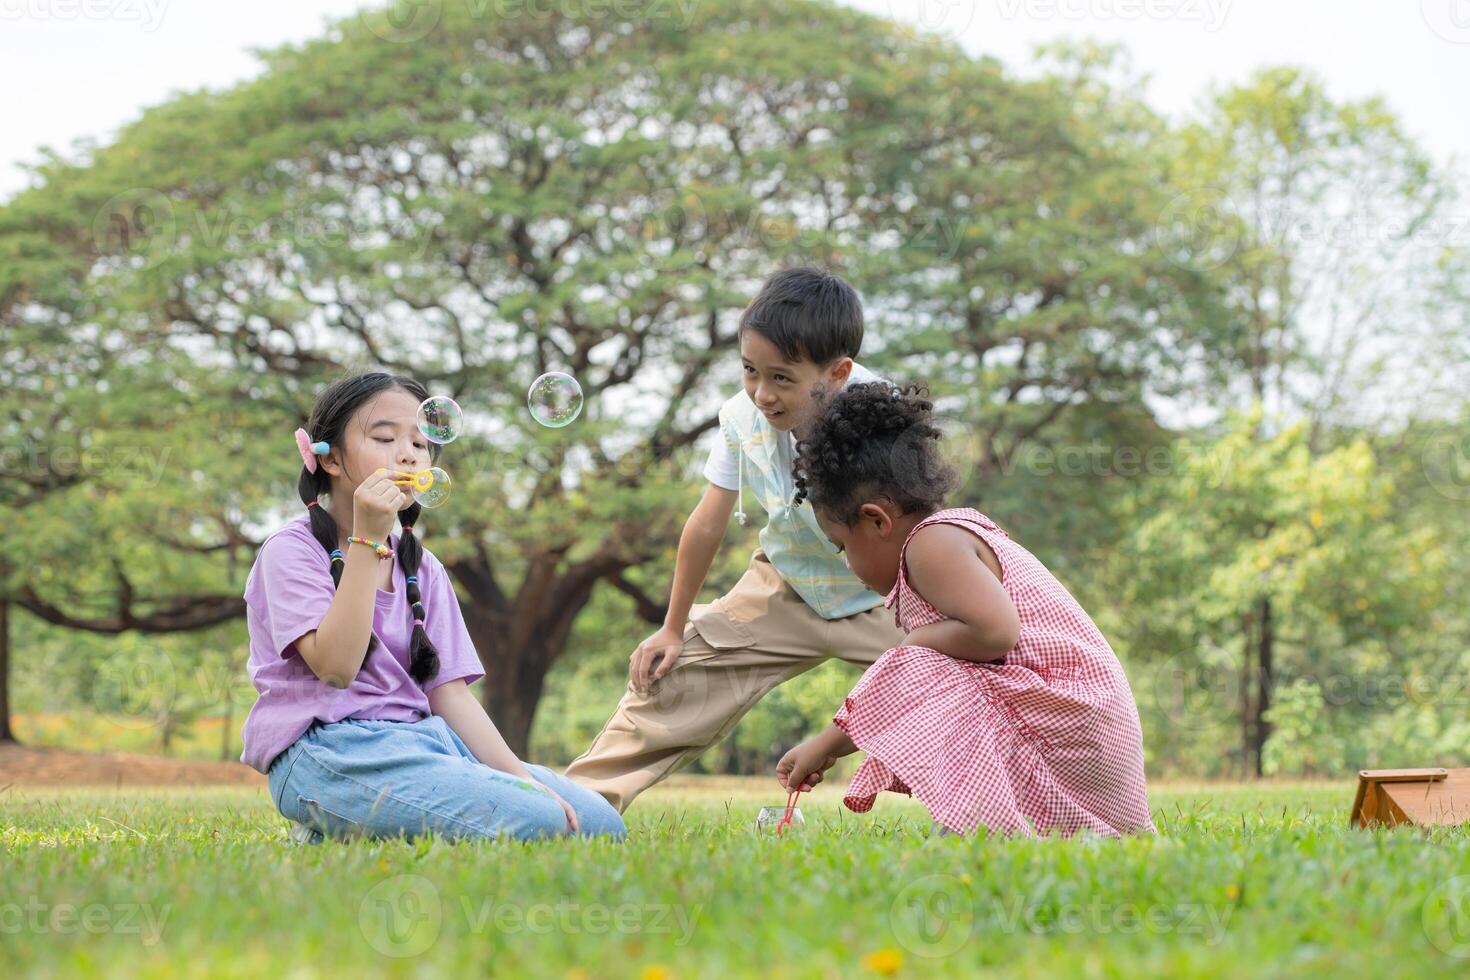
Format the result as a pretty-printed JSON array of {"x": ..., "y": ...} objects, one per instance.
[{"x": 873, "y": 441}]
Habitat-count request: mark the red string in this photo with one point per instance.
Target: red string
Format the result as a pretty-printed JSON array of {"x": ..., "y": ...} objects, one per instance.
[{"x": 790, "y": 809}]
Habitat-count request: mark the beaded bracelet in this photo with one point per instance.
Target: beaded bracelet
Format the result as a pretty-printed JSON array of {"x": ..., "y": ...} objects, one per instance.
[{"x": 382, "y": 549}]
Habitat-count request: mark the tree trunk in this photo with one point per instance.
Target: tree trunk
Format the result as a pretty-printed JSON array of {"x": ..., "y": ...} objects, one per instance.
[
  {"x": 1247, "y": 671},
  {"x": 734, "y": 761},
  {"x": 516, "y": 656},
  {"x": 167, "y": 730},
  {"x": 519, "y": 640},
  {"x": 1265, "y": 667},
  {"x": 226, "y": 743},
  {"x": 512, "y": 689},
  {"x": 7, "y": 734}
]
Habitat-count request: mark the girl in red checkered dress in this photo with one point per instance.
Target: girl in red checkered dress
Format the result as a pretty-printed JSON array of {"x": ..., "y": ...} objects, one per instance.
[{"x": 1005, "y": 707}]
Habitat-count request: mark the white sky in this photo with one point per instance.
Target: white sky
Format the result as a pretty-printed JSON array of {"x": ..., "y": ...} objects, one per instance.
[{"x": 79, "y": 68}]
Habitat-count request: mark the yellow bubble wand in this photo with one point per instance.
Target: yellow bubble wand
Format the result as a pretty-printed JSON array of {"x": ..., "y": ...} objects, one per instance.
[
  {"x": 430, "y": 486},
  {"x": 420, "y": 481}
]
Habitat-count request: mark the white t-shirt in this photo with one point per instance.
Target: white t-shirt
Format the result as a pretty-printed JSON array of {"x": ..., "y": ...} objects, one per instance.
[{"x": 720, "y": 468}]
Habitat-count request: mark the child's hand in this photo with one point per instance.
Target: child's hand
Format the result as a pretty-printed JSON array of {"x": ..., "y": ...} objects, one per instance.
[
  {"x": 665, "y": 646},
  {"x": 375, "y": 504},
  {"x": 804, "y": 765},
  {"x": 573, "y": 827}
]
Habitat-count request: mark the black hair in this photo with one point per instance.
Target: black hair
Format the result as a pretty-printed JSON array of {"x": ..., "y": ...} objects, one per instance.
[
  {"x": 334, "y": 408},
  {"x": 870, "y": 441},
  {"x": 808, "y": 314}
]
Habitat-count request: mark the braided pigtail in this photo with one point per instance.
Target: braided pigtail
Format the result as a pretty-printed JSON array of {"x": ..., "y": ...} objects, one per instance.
[
  {"x": 323, "y": 527},
  {"x": 423, "y": 661}
]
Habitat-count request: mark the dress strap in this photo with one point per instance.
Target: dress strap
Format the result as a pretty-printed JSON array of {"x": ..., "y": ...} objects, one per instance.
[{"x": 953, "y": 515}]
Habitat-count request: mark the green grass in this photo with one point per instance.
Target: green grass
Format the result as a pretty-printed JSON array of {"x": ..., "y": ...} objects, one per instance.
[{"x": 1243, "y": 881}]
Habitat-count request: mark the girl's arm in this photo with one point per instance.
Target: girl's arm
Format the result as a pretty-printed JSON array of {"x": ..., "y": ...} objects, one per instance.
[
  {"x": 335, "y": 650},
  {"x": 464, "y": 713},
  {"x": 945, "y": 566}
]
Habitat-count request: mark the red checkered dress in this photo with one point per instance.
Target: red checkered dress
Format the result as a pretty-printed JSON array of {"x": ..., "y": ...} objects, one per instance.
[{"x": 1047, "y": 742}]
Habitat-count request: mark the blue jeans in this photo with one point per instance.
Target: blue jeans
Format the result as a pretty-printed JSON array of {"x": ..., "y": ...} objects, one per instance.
[{"x": 401, "y": 778}]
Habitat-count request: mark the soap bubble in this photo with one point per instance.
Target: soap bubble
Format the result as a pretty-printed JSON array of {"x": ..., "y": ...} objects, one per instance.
[
  {"x": 440, "y": 419},
  {"x": 431, "y": 487},
  {"x": 555, "y": 399}
]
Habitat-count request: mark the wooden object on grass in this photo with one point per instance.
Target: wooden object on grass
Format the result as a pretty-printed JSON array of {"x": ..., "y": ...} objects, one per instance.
[{"x": 1390, "y": 797}]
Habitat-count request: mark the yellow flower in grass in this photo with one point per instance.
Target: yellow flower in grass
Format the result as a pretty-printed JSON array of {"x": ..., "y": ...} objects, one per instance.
[
  {"x": 657, "y": 972},
  {"x": 885, "y": 961},
  {"x": 1232, "y": 891}
]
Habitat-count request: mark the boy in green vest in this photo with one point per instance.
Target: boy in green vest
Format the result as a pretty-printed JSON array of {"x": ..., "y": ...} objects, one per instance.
[{"x": 797, "y": 604}]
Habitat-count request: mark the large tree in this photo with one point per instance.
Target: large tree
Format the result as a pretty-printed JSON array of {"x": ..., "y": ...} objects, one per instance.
[{"x": 489, "y": 196}]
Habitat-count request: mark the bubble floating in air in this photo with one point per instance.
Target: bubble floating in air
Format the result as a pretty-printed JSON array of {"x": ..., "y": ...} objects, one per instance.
[
  {"x": 440, "y": 419},
  {"x": 555, "y": 399},
  {"x": 431, "y": 487}
]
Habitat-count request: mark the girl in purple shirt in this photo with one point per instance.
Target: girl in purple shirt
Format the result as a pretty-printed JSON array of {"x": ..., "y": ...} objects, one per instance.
[{"x": 365, "y": 723}]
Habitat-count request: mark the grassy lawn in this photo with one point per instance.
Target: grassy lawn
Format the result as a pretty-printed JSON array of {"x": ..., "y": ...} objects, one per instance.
[{"x": 1243, "y": 881}]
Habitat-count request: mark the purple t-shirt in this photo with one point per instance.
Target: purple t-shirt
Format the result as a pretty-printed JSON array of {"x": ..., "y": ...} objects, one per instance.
[{"x": 287, "y": 594}]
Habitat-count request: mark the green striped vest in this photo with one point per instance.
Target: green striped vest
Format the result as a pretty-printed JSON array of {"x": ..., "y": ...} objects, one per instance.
[{"x": 791, "y": 539}]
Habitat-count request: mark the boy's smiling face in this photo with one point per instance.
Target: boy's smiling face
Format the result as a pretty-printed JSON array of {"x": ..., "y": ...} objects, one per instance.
[{"x": 782, "y": 389}]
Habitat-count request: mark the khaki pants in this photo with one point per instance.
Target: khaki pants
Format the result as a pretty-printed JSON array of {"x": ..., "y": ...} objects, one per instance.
[{"x": 736, "y": 648}]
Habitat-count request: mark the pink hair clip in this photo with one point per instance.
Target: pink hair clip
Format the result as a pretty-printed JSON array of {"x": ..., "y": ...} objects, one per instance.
[{"x": 310, "y": 450}]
